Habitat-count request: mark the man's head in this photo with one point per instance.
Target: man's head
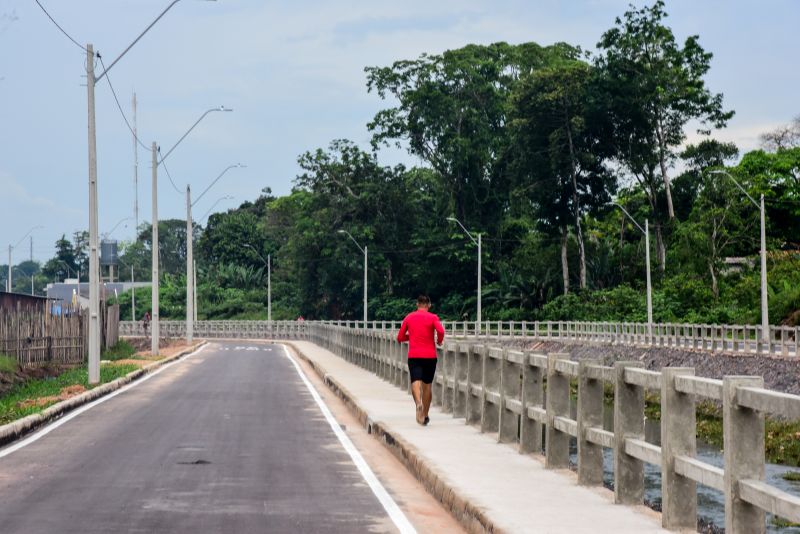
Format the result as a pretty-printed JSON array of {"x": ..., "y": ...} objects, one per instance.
[{"x": 423, "y": 302}]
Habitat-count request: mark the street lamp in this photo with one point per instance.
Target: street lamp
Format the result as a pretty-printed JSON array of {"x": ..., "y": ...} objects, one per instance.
[
  {"x": 765, "y": 337},
  {"x": 107, "y": 234},
  {"x": 10, "y": 248},
  {"x": 646, "y": 232},
  {"x": 94, "y": 262},
  {"x": 364, "y": 251},
  {"x": 155, "y": 324},
  {"x": 268, "y": 263},
  {"x": 480, "y": 259},
  {"x": 214, "y": 205},
  {"x": 190, "y": 248}
]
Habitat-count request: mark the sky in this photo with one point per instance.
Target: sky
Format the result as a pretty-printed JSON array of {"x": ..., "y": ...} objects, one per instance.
[{"x": 293, "y": 74}]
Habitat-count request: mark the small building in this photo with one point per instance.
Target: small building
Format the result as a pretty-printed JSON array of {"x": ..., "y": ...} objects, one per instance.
[{"x": 13, "y": 301}]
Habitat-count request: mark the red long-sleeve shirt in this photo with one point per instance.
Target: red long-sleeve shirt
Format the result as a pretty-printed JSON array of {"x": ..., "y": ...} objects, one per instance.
[{"x": 418, "y": 329}]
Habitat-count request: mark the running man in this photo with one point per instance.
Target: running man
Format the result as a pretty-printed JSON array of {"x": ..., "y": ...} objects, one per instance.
[{"x": 418, "y": 329}]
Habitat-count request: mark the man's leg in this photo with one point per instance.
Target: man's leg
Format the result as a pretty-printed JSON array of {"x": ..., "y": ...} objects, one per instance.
[
  {"x": 427, "y": 397},
  {"x": 416, "y": 391}
]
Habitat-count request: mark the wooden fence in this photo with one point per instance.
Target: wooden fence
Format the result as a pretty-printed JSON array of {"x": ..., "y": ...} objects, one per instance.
[{"x": 36, "y": 337}]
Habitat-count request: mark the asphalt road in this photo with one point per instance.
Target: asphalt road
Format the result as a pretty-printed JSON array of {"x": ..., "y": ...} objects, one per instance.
[{"x": 228, "y": 440}]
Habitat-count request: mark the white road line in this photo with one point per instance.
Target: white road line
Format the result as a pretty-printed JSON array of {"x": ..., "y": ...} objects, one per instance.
[
  {"x": 395, "y": 513},
  {"x": 72, "y": 415}
]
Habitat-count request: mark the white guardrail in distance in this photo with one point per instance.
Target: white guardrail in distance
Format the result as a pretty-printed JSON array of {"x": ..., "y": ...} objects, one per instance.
[
  {"x": 503, "y": 391},
  {"x": 740, "y": 339}
]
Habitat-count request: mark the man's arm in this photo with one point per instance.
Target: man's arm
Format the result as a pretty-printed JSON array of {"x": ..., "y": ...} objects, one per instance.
[
  {"x": 437, "y": 324},
  {"x": 402, "y": 335}
]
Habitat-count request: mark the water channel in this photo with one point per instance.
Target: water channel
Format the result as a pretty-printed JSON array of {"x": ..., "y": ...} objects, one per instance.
[{"x": 710, "y": 502}]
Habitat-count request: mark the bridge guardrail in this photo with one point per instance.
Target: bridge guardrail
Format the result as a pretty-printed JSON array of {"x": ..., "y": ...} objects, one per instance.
[
  {"x": 518, "y": 394},
  {"x": 737, "y": 339},
  {"x": 740, "y": 339}
]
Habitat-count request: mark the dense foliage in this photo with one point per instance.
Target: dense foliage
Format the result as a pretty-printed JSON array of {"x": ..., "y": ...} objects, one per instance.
[{"x": 530, "y": 146}]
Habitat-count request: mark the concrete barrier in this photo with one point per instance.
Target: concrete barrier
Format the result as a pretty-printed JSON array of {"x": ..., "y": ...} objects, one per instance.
[{"x": 504, "y": 392}]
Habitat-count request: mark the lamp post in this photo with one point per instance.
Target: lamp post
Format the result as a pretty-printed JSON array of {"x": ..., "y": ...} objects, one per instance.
[
  {"x": 364, "y": 251},
  {"x": 11, "y": 248},
  {"x": 94, "y": 262},
  {"x": 268, "y": 263},
  {"x": 765, "y": 334},
  {"x": 190, "y": 300},
  {"x": 480, "y": 259},
  {"x": 155, "y": 150},
  {"x": 646, "y": 232},
  {"x": 214, "y": 205}
]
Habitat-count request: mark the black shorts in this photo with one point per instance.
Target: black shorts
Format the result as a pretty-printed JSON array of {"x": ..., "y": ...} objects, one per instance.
[{"x": 422, "y": 369}]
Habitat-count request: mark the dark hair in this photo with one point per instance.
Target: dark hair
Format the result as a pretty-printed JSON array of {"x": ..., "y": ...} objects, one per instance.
[{"x": 423, "y": 300}]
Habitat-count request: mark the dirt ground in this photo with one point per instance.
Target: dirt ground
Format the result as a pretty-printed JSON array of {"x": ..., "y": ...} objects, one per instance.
[
  {"x": 9, "y": 380},
  {"x": 167, "y": 348}
]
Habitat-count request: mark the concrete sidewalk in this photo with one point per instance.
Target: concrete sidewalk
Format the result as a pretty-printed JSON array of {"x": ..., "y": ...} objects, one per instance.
[{"x": 487, "y": 486}]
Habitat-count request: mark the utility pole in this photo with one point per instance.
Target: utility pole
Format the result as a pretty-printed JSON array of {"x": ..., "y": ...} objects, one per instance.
[
  {"x": 8, "y": 280},
  {"x": 480, "y": 265},
  {"x": 94, "y": 262},
  {"x": 133, "y": 297},
  {"x": 765, "y": 335},
  {"x": 649, "y": 282},
  {"x": 365, "y": 286},
  {"x": 269, "y": 288},
  {"x": 189, "y": 269},
  {"x": 154, "y": 331},
  {"x": 194, "y": 284},
  {"x": 135, "y": 171}
]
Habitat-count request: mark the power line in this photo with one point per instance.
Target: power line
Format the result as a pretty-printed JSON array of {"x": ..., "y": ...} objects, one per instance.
[
  {"x": 127, "y": 123},
  {"x": 59, "y": 27},
  {"x": 170, "y": 178}
]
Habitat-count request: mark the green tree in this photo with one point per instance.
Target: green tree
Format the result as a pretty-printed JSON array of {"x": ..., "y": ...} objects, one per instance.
[
  {"x": 560, "y": 151},
  {"x": 654, "y": 88}
]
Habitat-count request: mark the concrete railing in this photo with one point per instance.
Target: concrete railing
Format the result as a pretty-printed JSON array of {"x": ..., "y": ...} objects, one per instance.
[
  {"x": 741, "y": 339},
  {"x": 524, "y": 397},
  {"x": 783, "y": 340},
  {"x": 219, "y": 329}
]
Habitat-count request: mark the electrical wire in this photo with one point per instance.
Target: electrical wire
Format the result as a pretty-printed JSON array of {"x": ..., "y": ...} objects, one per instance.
[
  {"x": 170, "y": 178},
  {"x": 119, "y": 106},
  {"x": 59, "y": 26}
]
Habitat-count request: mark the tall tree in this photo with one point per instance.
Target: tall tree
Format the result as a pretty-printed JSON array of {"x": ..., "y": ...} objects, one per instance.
[
  {"x": 654, "y": 88},
  {"x": 561, "y": 148},
  {"x": 452, "y": 112}
]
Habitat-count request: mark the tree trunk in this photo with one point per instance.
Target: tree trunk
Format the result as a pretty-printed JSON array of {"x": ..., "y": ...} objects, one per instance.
[
  {"x": 714, "y": 282},
  {"x": 662, "y": 159},
  {"x": 564, "y": 259},
  {"x": 661, "y": 249},
  {"x": 576, "y": 206}
]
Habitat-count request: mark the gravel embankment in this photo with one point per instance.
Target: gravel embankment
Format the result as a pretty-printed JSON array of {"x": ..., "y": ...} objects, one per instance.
[{"x": 782, "y": 374}]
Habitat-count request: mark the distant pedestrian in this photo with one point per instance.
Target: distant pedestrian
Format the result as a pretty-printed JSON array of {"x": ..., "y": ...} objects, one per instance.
[
  {"x": 146, "y": 321},
  {"x": 423, "y": 331}
]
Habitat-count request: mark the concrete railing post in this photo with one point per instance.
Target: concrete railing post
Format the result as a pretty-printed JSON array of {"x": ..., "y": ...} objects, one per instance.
[
  {"x": 743, "y": 434},
  {"x": 556, "y": 442},
  {"x": 628, "y": 423},
  {"x": 678, "y": 438},
  {"x": 475, "y": 397},
  {"x": 490, "y": 411},
  {"x": 510, "y": 386},
  {"x": 461, "y": 376},
  {"x": 532, "y": 395},
  {"x": 590, "y": 414}
]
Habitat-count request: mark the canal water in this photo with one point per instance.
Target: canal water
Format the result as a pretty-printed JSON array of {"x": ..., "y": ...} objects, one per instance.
[{"x": 710, "y": 502}]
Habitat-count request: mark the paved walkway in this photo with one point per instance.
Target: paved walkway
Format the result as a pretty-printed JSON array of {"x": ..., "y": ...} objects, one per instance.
[{"x": 514, "y": 491}]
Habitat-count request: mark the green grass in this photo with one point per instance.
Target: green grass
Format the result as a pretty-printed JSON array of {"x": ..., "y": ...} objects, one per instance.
[
  {"x": 793, "y": 476},
  {"x": 8, "y": 364},
  {"x": 121, "y": 351},
  {"x": 783, "y": 523},
  {"x": 11, "y": 410}
]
